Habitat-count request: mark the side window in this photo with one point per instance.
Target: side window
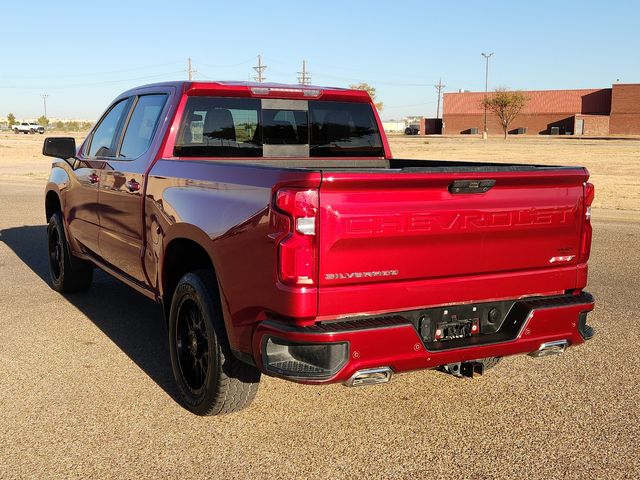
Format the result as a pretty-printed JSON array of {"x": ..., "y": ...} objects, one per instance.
[
  {"x": 102, "y": 142},
  {"x": 141, "y": 126}
]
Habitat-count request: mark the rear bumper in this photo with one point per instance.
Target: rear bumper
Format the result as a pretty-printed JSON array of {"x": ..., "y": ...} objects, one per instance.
[{"x": 394, "y": 342}]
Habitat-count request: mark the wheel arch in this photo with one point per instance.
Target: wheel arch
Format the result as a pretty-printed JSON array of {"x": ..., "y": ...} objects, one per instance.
[
  {"x": 182, "y": 255},
  {"x": 186, "y": 248},
  {"x": 52, "y": 204},
  {"x": 57, "y": 184}
]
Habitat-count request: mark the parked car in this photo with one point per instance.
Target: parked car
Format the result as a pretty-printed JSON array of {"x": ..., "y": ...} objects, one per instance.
[
  {"x": 28, "y": 127},
  {"x": 412, "y": 129},
  {"x": 281, "y": 237}
]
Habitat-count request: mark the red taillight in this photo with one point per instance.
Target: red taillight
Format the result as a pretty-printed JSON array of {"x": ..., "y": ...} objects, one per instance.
[
  {"x": 286, "y": 92},
  {"x": 295, "y": 216},
  {"x": 587, "y": 232}
]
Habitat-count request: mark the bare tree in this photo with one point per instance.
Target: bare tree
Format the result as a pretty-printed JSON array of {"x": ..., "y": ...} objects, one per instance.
[
  {"x": 506, "y": 105},
  {"x": 371, "y": 91}
]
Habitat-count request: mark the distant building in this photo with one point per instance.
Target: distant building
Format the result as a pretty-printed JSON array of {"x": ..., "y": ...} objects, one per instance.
[
  {"x": 604, "y": 111},
  {"x": 391, "y": 126},
  {"x": 431, "y": 126}
]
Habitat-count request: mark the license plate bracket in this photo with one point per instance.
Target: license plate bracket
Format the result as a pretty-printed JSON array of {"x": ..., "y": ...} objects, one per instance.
[{"x": 455, "y": 329}]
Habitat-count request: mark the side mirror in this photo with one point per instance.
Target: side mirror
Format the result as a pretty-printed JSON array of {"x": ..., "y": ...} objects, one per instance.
[{"x": 59, "y": 147}]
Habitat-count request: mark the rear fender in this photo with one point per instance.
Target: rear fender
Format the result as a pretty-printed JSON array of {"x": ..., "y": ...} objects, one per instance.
[{"x": 184, "y": 231}]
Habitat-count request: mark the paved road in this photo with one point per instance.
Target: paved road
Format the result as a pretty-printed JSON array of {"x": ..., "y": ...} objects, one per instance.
[{"x": 86, "y": 391}]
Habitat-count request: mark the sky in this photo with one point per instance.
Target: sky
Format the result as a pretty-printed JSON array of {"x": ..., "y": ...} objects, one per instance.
[{"x": 82, "y": 54}]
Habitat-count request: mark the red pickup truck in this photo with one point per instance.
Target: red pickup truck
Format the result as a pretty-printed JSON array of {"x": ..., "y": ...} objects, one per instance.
[{"x": 281, "y": 237}]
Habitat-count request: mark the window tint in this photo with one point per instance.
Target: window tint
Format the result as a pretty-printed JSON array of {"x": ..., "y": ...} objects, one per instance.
[
  {"x": 141, "y": 126},
  {"x": 341, "y": 129},
  {"x": 220, "y": 127},
  {"x": 103, "y": 136},
  {"x": 240, "y": 127},
  {"x": 285, "y": 127}
]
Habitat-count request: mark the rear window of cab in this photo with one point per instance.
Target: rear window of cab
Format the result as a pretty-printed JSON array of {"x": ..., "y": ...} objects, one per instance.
[{"x": 250, "y": 127}]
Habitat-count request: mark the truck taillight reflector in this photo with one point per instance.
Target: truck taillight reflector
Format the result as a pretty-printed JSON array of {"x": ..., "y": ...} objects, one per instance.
[
  {"x": 587, "y": 232},
  {"x": 295, "y": 216}
]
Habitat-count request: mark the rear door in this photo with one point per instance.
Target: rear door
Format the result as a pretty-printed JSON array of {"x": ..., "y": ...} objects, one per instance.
[
  {"x": 395, "y": 239},
  {"x": 122, "y": 187}
]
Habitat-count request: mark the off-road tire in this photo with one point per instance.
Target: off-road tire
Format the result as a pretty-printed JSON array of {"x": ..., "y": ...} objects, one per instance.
[
  {"x": 67, "y": 274},
  {"x": 226, "y": 384}
]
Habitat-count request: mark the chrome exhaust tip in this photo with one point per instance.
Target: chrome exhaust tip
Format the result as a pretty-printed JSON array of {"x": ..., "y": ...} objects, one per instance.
[
  {"x": 551, "y": 348},
  {"x": 370, "y": 376}
]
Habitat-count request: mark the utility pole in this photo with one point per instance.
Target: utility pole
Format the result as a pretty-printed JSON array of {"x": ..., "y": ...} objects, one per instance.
[
  {"x": 259, "y": 70},
  {"x": 487, "y": 56},
  {"x": 190, "y": 69},
  {"x": 304, "y": 77},
  {"x": 439, "y": 88},
  {"x": 44, "y": 99}
]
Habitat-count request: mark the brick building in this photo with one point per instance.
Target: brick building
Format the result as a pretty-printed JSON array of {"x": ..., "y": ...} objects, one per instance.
[
  {"x": 603, "y": 111},
  {"x": 625, "y": 110}
]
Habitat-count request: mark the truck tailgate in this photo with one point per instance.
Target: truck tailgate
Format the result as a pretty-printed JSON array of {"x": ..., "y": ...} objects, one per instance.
[{"x": 395, "y": 239}]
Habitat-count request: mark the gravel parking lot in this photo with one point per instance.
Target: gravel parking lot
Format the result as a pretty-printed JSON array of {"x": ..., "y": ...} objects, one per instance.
[{"x": 86, "y": 390}]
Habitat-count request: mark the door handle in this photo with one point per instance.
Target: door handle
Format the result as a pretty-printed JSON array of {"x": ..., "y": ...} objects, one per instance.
[
  {"x": 132, "y": 185},
  {"x": 471, "y": 186},
  {"x": 93, "y": 178}
]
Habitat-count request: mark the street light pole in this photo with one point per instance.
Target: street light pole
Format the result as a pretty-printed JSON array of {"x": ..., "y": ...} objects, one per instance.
[{"x": 487, "y": 56}]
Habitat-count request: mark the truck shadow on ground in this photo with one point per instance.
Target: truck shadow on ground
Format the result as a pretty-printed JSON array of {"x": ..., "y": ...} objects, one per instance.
[{"x": 133, "y": 322}]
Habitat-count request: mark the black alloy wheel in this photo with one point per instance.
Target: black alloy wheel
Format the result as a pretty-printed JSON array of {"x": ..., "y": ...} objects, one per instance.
[
  {"x": 56, "y": 257},
  {"x": 209, "y": 377},
  {"x": 192, "y": 345},
  {"x": 67, "y": 273}
]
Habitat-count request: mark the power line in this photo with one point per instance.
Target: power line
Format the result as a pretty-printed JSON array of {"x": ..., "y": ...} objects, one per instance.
[
  {"x": 229, "y": 65},
  {"x": 87, "y": 74},
  {"x": 336, "y": 68},
  {"x": 88, "y": 84},
  {"x": 370, "y": 81},
  {"x": 439, "y": 88},
  {"x": 409, "y": 105},
  {"x": 304, "y": 77},
  {"x": 260, "y": 68}
]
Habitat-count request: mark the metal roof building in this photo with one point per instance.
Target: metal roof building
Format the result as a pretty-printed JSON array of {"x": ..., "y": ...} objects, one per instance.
[{"x": 600, "y": 111}]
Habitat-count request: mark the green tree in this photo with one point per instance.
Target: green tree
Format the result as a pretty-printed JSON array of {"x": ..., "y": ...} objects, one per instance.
[
  {"x": 11, "y": 118},
  {"x": 44, "y": 121},
  {"x": 371, "y": 91},
  {"x": 506, "y": 105}
]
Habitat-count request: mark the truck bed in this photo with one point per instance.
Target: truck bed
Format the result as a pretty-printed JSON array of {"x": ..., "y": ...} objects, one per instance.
[
  {"x": 398, "y": 165},
  {"x": 403, "y": 217}
]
